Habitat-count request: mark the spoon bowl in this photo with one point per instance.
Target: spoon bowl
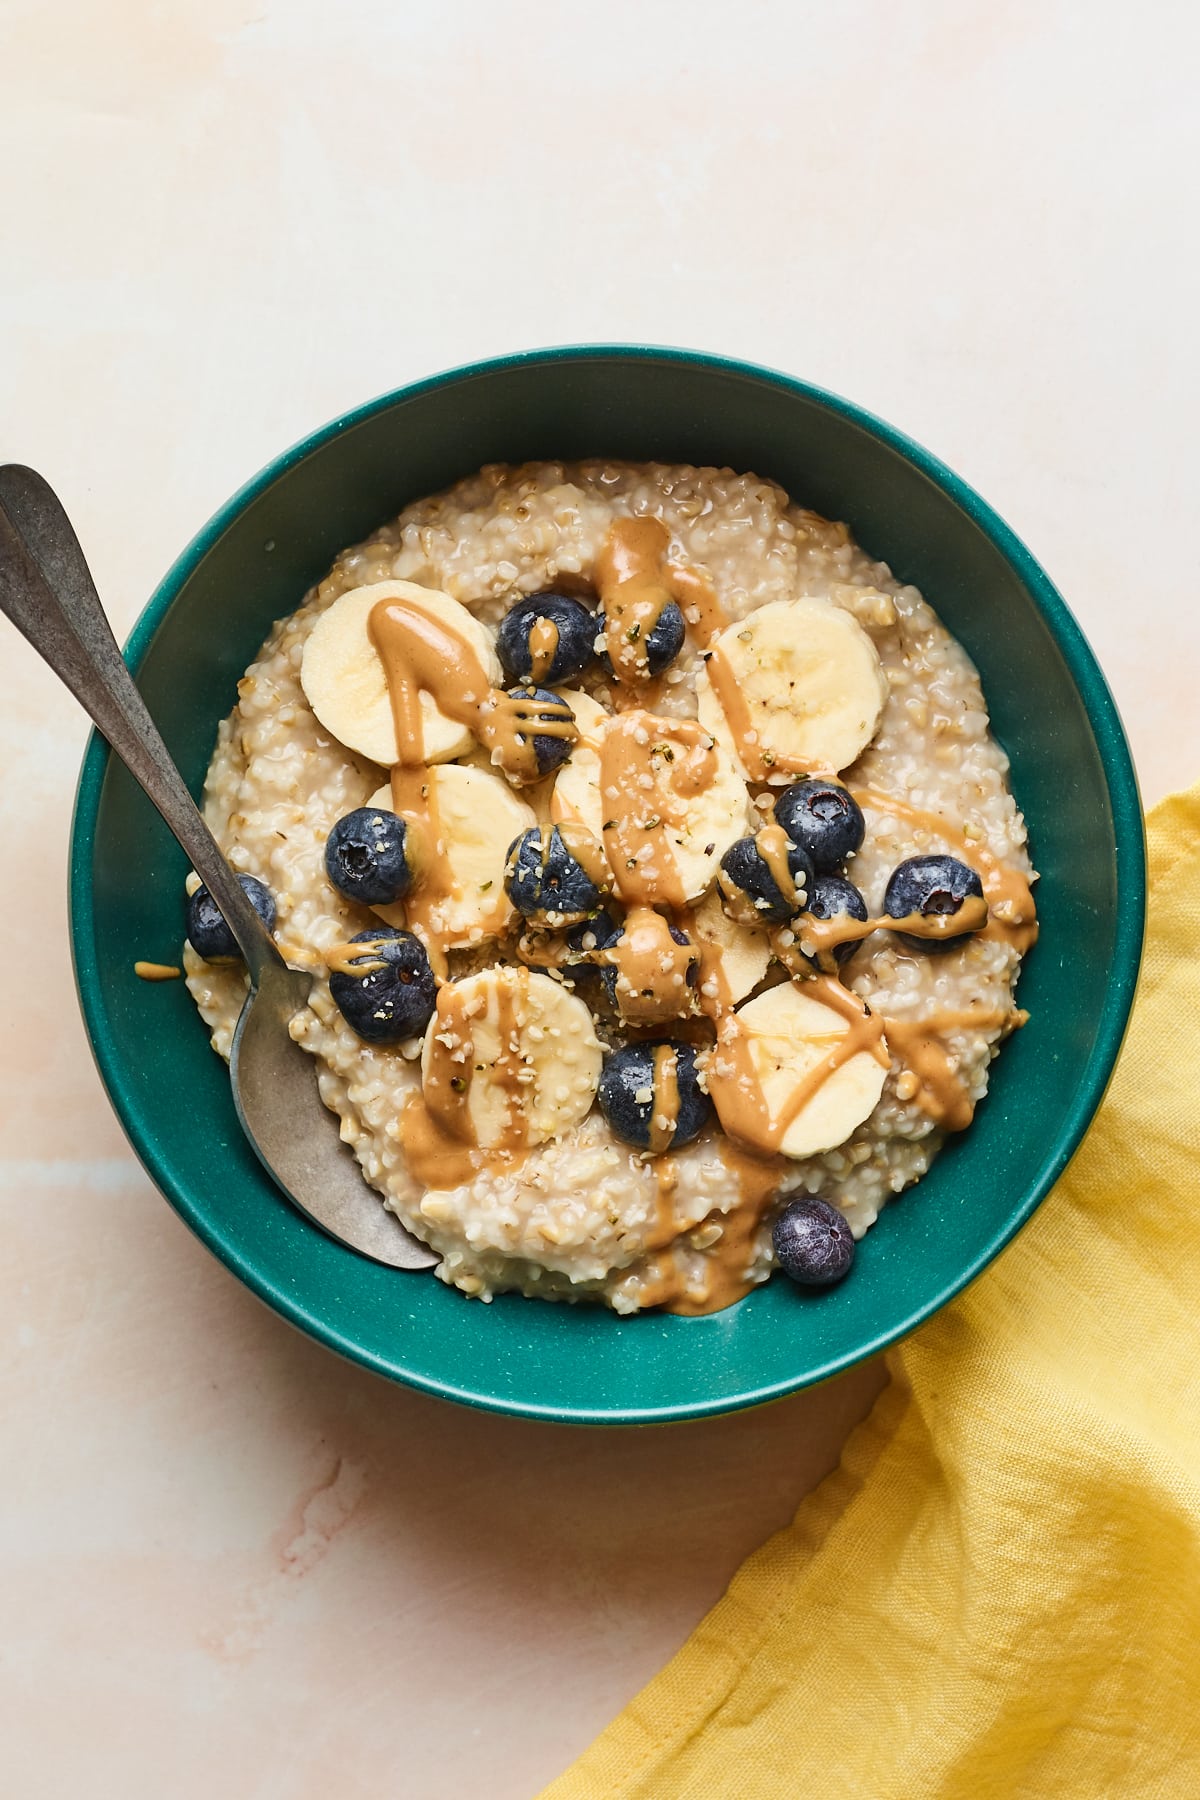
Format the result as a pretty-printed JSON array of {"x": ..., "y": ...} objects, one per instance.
[
  {"x": 46, "y": 589},
  {"x": 291, "y": 1130}
]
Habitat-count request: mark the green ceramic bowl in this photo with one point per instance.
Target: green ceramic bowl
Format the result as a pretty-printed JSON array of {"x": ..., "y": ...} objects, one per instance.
[{"x": 1050, "y": 707}]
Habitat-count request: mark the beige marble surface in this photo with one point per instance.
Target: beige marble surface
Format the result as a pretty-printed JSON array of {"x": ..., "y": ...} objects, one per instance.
[{"x": 230, "y": 1564}]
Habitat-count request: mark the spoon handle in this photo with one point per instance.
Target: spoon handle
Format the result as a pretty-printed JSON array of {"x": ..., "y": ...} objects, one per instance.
[{"x": 46, "y": 589}]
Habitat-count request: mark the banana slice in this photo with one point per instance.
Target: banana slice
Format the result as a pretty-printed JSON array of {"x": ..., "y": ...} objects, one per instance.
[
  {"x": 590, "y": 717},
  {"x": 735, "y": 959},
  {"x": 795, "y": 1076},
  {"x": 575, "y": 797},
  {"x": 510, "y": 1059},
  {"x": 582, "y": 768},
  {"x": 664, "y": 800},
  {"x": 475, "y": 816},
  {"x": 345, "y": 682},
  {"x": 793, "y": 687}
]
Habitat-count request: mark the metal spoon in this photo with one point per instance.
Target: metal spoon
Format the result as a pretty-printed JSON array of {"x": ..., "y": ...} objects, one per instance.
[{"x": 48, "y": 593}]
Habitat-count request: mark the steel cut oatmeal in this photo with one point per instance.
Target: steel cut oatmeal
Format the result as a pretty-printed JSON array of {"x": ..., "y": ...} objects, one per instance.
[{"x": 656, "y": 868}]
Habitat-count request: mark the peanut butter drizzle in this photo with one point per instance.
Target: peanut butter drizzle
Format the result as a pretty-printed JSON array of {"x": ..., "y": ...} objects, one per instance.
[
  {"x": 437, "y": 1132},
  {"x": 546, "y": 950},
  {"x": 745, "y": 1113},
  {"x": 424, "y": 655},
  {"x": 759, "y": 762},
  {"x": 651, "y": 969},
  {"x": 713, "y": 989},
  {"x": 864, "y": 1034},
  {"x": 773, "y": 844},
  {"x": 543, "y": 643},
  {"x": 630, "y": 579},
  {"x": 665, "y": 1228},
  {"x": 583, "y": 847},
  {"x": 695, "y": 593},
  {"x": 421, "y": 654},
  {"x": 451, "y": 1067},
  {"x": 359, "y": 959},
  {"x": 152, "y": 971},
  {"x": 508, "y": 1065},
  {"x": 941, "y": 1092},
  {"x": 433, "y": 1155},
  {"x": 819, "y": 938},
  {"x": 636, "y": 583},
  {"x": 1012, "y": 912},
  {"x": 664, "y": 1104},
  {"x": 514, "y": 722},
  {"x": 726, "y": 1265},
  {"x": 414, "y": 799},
  {"x": 679, "y": 756}
]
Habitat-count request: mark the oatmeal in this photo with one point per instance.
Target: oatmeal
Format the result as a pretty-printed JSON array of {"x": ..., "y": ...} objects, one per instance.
[{"x": 655, "y": 866}]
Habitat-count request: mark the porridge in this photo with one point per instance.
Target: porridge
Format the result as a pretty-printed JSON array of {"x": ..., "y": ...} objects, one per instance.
[{"x": 657, "y": 872}]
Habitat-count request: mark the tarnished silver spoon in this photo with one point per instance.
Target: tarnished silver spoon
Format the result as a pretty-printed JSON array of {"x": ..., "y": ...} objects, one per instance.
[{"x": 47, "y": 591}]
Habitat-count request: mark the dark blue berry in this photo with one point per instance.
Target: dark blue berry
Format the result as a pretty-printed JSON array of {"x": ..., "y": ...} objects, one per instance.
[
  {"x": 574, "y": 642},
  {"x": 813, "y": 1243},
  {"x": 209, "y": 935},
  {"x": 824, "y": 819},
  {"x": 632, "y": 1074},
  {"x": 670, "y": 1002},
  {"x": 833, "y": 897},
  {"x": 550, "y": 752},
  {"x": 750, "y": 892},
  {"x": 594, "y": 933},
  {"x": 932, "y": 886},
  {"x": 388, "y": 993},
  {"x": 367, "y": 859},
  {"x": 555, "y": 875},
  {"x": 663, "y": 644}
]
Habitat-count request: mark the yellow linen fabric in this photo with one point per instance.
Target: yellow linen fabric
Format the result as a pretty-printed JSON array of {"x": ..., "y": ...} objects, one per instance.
[{"x": 998, "y": 1592}]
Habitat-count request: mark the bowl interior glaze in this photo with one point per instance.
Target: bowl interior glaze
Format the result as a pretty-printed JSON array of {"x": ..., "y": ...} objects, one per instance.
[{"x": 1050, "y": 708}]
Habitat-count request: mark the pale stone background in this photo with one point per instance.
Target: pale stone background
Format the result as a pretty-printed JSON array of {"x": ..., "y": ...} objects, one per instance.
[{"x": 231, "y": 1565}]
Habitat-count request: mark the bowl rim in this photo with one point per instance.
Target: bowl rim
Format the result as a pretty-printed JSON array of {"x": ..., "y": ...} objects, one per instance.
[{"x": 1120, "y": 780}]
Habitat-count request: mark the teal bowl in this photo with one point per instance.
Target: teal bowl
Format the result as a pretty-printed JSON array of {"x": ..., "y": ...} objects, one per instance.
[{"x": 1050, "y": 708}]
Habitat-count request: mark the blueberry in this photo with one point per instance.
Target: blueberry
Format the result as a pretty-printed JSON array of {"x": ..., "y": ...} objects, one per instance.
[
  {"x": 209, "y": 935},
  {"x": 824, "y": 819},
  {"x": 630, "y": 1094},
  {"x": 932, "y": 886},
  {"x": 833, "y": 897},
  {"x": 650, "y": 992},
  {"x": 749, "y": 891},
  {"x": 813, "y": 1243},
  {"x": 367, "y": 857},
  {"x": 550, "y": 751},
  {"x": 387, "y": 992},
  {"x": 555, "y": 874},
  {"x": 663, "y": 644},
  {"x": 563, "y": 648},
  {"x": 594, "y": 933}
]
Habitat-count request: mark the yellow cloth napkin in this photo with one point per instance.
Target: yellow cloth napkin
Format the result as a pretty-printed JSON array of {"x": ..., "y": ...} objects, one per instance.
[{"x": 998, "y": 1592}]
